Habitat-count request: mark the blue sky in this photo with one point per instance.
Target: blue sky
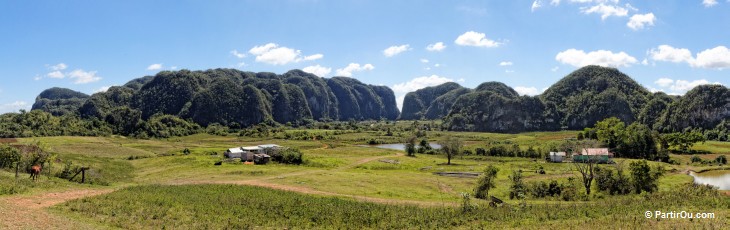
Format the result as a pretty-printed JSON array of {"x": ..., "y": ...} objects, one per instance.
[{"x": 88, "y": 46}]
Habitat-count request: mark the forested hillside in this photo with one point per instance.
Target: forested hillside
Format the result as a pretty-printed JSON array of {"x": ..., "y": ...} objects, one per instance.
[
  {"x": 238, "y": 99},
  {"x": 228, "y": 97}
]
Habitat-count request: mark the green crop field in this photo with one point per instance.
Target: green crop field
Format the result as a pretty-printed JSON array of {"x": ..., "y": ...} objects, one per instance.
[{"x": 343, "y": 183}]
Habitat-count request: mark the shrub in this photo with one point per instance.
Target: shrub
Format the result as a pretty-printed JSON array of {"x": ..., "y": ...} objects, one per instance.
[
  {"x": 517, "y": 189},
  {"x": 291, "y": 156},
  {"x": 486, "y": 182},
  {"x": 721, "y": 159},
  {"x": 695, "y": 159},
  {"x": 643, "y": 177}
]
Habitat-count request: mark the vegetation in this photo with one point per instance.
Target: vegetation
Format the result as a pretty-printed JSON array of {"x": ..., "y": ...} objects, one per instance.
[
  {"x": 451, "y": 147},
  {"x": 486, "y": 182}
]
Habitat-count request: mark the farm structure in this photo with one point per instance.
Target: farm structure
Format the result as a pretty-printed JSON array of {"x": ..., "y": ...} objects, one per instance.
[
  {"x": 556, "y": 157},
  {"x": 599, "y": 155},
  {"x": 259, "y": 154}
]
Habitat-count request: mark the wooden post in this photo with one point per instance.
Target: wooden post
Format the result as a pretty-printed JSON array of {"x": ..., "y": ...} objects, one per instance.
[{"x": 83, "y": 175}]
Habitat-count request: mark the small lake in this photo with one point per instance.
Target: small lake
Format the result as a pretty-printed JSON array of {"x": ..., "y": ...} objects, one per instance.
[
  {"x": 719, "y": 178},
  {"x": 401, "y": 146}
]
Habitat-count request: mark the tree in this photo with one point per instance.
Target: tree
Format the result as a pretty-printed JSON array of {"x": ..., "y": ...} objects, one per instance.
[
  {"x": 721, "y": 159},
  {"x": 486, "y": 182},
  {"x": 643, "y": 177},
  {"x": 517, "y": 189},
  {"x": 411, "y": 146},
  {"x": 611, "y": 131},
  {"x": 587, "y": 167},
  {"x": 451, "y": 146},
  {"x": 685, "y": 140}
]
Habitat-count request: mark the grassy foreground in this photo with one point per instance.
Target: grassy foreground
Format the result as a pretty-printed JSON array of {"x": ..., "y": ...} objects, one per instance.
[{"x": 245, "y": 207}]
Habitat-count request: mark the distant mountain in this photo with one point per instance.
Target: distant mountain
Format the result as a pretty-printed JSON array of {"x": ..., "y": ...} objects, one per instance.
[
  {"x": 582, "y": 98},
  {"x": 59, "y": 101},
  {"x": 234, "y": 98},
  {"x": 422, "y": 103}
]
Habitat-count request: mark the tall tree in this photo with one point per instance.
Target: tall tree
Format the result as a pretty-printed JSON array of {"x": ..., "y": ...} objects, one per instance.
[{"x": 451, "y": 146}]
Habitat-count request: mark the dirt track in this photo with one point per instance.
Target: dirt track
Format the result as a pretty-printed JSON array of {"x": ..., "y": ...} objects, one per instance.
[{"x": 29, "y": 212}]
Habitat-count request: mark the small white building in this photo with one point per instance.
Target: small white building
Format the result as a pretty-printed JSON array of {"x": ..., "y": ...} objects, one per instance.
[
  {"x": 557, "y": 156},
  {"x": 234, "y": 153},
  {"x": 252, "y": 153}
]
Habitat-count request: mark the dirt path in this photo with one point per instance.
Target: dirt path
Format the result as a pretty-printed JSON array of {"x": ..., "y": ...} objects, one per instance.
[{"x": 29, "y": 212}]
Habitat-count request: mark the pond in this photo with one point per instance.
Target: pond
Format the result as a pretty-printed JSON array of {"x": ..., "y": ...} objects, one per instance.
[
  {"x": 401, "y": 146},
  {"x": 719, "y": 178}
]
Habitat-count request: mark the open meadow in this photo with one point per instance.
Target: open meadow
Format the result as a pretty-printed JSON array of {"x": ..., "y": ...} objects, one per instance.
[{"x": 342, "y": 183}]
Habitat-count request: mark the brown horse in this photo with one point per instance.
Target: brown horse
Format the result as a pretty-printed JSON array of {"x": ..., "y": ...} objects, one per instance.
[{"x": 35, "y": 171}]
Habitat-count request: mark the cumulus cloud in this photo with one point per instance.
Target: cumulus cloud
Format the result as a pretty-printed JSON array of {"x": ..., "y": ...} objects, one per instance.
[
  {"x": 274, "y": 54},
  {"x": 317, "y": 70},
  {"x": 155, "y": 66},
  {"x": 505, "y": 63},
  {"x": 423, "y": 60},
  {"x": 579, "y": 58},
  {"x": 709, "y": 3},
  {"x": 536, "y": 5},
  {"x": 679, "y": 87},
  {"x": 102, "y": 89},
  {"x": 14, "y": 106},
  {"x": 715, "y": 58},
  {"x": 664, "y": 82},
  {"x": 670, "y": 54},
  {"x": 438, "y": 46},
  {"x": 416, "y": 84},
  {"x": 395, "y": 50},
  {"x": 639, "y": 21},
  {"x": 353, "y": 67},
  {"x": 59, "y": 66},
  {"x": 530, "y": 91},
  {"x": 82, "y": 77},
  {"x": 237, "y": 54},
  {"x": 472, "y": 38},
  {"x": 605, "y": 10},
  {"x": 56, "y": 74}
]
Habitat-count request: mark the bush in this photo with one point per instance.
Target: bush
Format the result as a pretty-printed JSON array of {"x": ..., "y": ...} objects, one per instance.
[
  {"x": 721, "y": 159},
  {"x": 695, "y": 159},
  {"x": 644, "y": 178},
  {"x": 486, "y": 182},
  {"x": 291, "y": 156},
  {"x": 8, "y": 156},
  {"x": 517, "y": 189}
]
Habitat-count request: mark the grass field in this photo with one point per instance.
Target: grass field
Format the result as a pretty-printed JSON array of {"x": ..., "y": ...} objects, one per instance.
[{"x": 338, "y": 174}]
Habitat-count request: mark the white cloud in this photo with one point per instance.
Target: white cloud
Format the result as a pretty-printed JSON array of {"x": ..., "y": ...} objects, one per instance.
[
  {"x": 56, "y": 74},
  {"x": 437, "y": 65},
  {"x": 645, "y": 62},
  {"x": 555, "y": 2},
  {"x": 102, "y": 89},
  {"x": 664, "y": 82},
  {"x": 579, "y": 58},
  {"x": 555, "y": 69},
  {"x": 155, "y": 66},
  {"x": 423, "y": 60},
  {"x": 605, "y": 10},
  {"x": 472, "y": 38},
  {"x": 639, "y": 21},
  {"x": 438, "y": 46},
  {"x": 679, "y": 87},
  {"x": 535, "y": 5},
  {"x": 709, "y": 3},
  {"x": 274, "y": 54},
  {"x": 505, "y": 63},
  {"x": 241, "y": 64},
  {"x": 715, "y": 58},
  {"x": 59, "y": 66},
  {"x": 395, "y": 50},
  {"x": 630, "y": 7},
  {"x": 353, "y": 67},
  {"x": 530, "y": 91},
  {"x": 14, "y": 106},
  {"x": 317, "y": 70},
  {"x": 595, "y": 1},
  {"x": 416, "y": 84},
  {"x": 671, "y": 54},
  {"x": 175, "y": 67},
  {"x": 237, "y": 54},
  {"x": 313, "y": 57},
  {"x": 83, "y": 77}
]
